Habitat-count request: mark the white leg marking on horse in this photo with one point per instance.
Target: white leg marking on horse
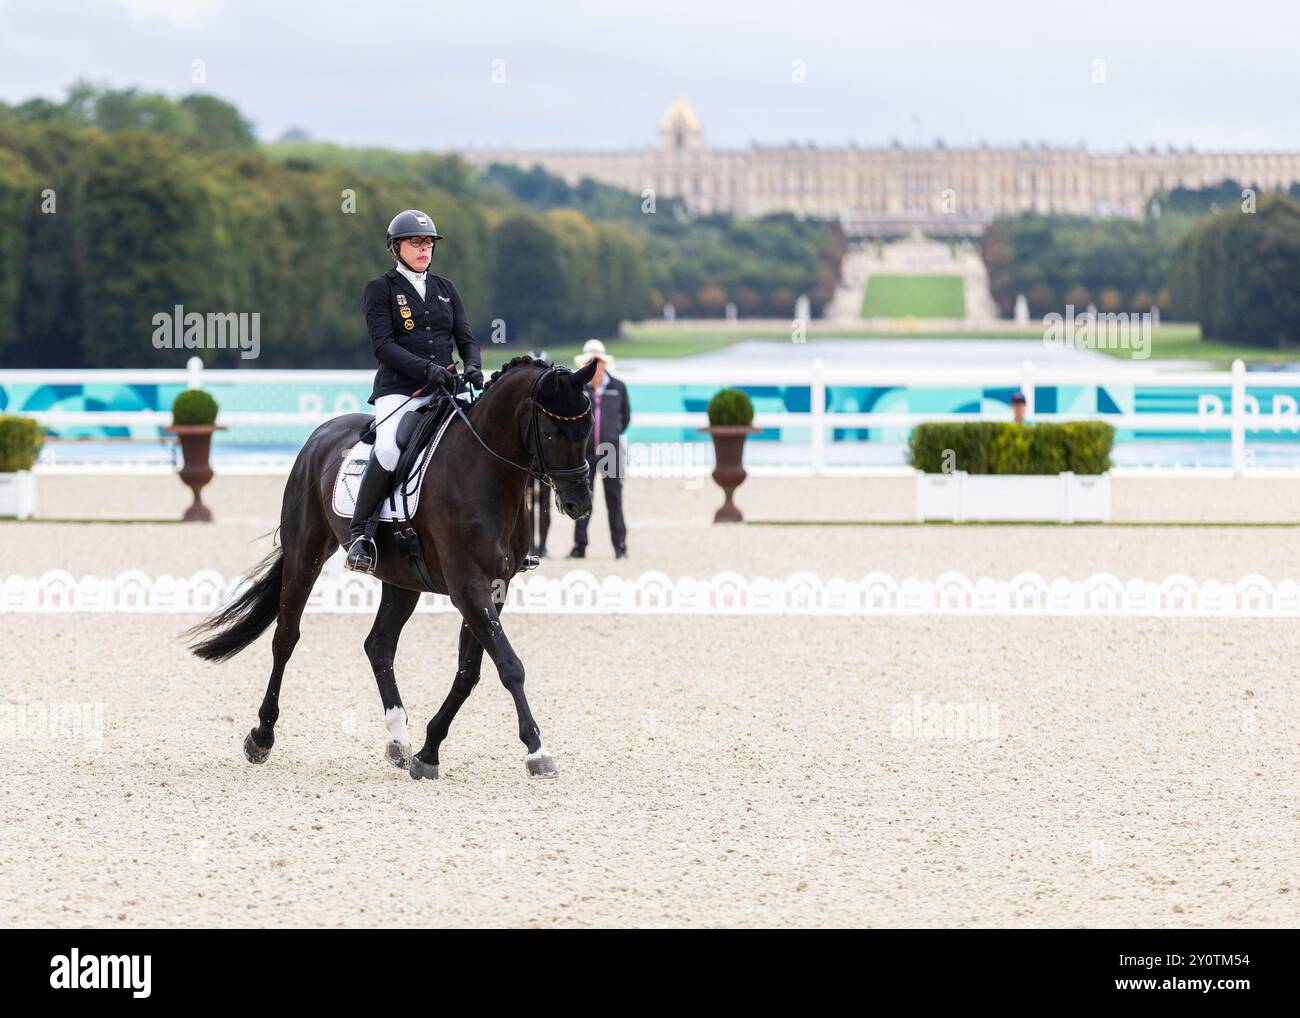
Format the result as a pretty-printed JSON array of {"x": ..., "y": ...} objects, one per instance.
[
  {"x": 395, "y": 719},
  {"x": 541, "y": 752}
]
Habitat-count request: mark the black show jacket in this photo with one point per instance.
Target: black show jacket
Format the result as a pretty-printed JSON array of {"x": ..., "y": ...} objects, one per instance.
[
  {"x": 615, "y": 415},
  {"x": 435, "y": 323}
]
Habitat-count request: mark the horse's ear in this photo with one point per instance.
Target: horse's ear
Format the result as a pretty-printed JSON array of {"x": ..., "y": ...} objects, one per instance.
[{"x": 584, "y": 374}]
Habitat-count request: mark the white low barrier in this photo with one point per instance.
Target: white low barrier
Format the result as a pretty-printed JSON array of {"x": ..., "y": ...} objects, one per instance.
[
  {"x": 656, "y": 593},
  {"x": 1060, "y": 498}
]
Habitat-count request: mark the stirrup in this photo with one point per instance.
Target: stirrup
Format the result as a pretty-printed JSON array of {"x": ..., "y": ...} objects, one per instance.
[
  {"x": 363, "y": 555},
  {"x": 530, "y": 562}
]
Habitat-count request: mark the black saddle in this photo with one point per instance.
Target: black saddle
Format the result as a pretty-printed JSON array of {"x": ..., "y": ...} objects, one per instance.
[
  {"x": 431, "y": 413},
  {"x": 415, "y": 433}
]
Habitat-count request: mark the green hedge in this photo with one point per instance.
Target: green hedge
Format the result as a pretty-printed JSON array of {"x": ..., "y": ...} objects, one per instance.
[
  {"x": 21, "y": 439},
  {"x": 988, "y": 447}
]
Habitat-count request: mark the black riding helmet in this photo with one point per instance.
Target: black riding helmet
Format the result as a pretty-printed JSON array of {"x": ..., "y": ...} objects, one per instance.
[{"x": 411, "y": 223}]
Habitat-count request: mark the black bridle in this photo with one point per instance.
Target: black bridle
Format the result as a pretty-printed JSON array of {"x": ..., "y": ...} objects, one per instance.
[{"x": 538, "y": 467}]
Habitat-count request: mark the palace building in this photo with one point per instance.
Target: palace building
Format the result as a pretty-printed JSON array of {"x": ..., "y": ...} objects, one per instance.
[{"x": 898, "y": 189}]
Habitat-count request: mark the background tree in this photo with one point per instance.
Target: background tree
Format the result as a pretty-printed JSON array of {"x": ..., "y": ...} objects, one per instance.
[
  {"x": 165, "y": 202},
  {"x": 1236, "y": 273},
  {"x": 528, "y": 290}
]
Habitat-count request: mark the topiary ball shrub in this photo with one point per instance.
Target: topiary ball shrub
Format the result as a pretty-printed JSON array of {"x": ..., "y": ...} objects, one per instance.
[
  {"x": 194, "y": 406},
  {"x": 730, "y": 407},
  {"x": 21, "y": 440}
]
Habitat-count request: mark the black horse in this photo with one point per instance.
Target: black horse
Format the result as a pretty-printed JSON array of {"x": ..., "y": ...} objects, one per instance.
[{"x": 531, "y": 419}]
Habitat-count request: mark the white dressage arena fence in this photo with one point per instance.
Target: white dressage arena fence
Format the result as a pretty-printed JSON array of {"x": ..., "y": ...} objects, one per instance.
[
  {"x": 1240, "y": 413},
  {"x": 656, "y": 593}
]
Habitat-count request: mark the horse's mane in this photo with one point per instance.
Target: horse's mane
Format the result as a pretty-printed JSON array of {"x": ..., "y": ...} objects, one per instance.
[
  {"x": 514, "y": 362},
  {"x": 565, "y": 400}
]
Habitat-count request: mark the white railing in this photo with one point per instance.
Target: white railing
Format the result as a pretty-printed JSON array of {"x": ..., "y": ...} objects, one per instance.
[{"x": 1242, "y": 413}]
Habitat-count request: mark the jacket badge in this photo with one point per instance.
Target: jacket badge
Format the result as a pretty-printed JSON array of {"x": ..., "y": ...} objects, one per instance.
[
  {"x": 406, "y": 312},
  {"x": 401, "y": 300},
  {"x": 409, "y": 324}
]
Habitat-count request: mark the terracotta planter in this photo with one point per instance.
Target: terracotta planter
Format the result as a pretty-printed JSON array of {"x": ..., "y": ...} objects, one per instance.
[
  {"x": 196, "y": 471},
  {"x": 729, "y": 473}
]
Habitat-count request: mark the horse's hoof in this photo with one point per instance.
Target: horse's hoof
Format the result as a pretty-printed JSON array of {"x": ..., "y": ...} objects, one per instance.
[
  {"x": 540, "y": 764},
  {"x": 420, "y": 769},
  {"x": 398, "y": 754},
  {"x": 255, "y": 753}
]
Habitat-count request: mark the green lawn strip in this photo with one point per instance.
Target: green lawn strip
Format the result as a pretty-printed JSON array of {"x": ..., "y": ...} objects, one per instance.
[
  {"x": 914, "y": 296},
  {"x": 663, "y": 344},
  {"x": 1175, "y": 341},
  {"x": 1182, "y": 345}
]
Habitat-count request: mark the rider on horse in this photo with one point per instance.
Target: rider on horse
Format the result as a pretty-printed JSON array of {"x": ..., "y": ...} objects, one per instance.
[{"x": 413, "y": 318}]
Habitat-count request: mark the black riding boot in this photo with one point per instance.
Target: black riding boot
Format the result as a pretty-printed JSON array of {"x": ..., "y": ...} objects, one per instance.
[{"x": 376, "y": 483}]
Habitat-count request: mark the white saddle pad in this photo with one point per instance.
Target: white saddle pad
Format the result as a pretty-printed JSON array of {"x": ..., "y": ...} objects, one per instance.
[{"x": 348, "y": 481}]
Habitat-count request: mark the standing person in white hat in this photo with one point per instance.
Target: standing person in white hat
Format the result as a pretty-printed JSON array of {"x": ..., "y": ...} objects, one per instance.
[{"x": 612, "y": 412}]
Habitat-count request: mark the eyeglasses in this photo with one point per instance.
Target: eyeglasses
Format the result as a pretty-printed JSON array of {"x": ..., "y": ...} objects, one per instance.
[{"x": 420, "y": 242}]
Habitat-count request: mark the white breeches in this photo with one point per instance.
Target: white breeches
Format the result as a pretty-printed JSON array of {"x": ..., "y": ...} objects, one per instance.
[{"x": 386, "y": 450}]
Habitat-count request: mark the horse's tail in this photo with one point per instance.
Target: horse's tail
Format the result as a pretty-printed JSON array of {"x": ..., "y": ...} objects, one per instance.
[{"x": 244, "y": 619}]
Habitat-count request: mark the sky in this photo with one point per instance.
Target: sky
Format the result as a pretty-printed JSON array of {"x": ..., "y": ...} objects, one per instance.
[{"x": 588, "y": 75}]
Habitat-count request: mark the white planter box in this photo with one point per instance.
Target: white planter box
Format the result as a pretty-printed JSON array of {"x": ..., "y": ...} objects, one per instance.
[
  {"x": 1052, "y": 498},
  {"x": 938, "y": 496},
  {"x": 18, "y": 494}
]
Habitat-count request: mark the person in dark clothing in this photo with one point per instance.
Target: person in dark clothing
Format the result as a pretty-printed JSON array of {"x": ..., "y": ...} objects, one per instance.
[
  {"x": 413, "y": 318},
  {"x": 612, "y": 412},
  {"x": 539, "y": 507},
  {"x": 538, "y": 498}
]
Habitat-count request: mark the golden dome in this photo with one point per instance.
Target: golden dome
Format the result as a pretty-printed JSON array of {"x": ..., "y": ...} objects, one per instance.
[{"x": 680, "y": 114}]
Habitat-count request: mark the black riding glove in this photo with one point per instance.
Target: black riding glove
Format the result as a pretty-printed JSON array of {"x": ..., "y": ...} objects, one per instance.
[
  {"x": 474, "y": 375},
  {"x": 437, "y": 375}
]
